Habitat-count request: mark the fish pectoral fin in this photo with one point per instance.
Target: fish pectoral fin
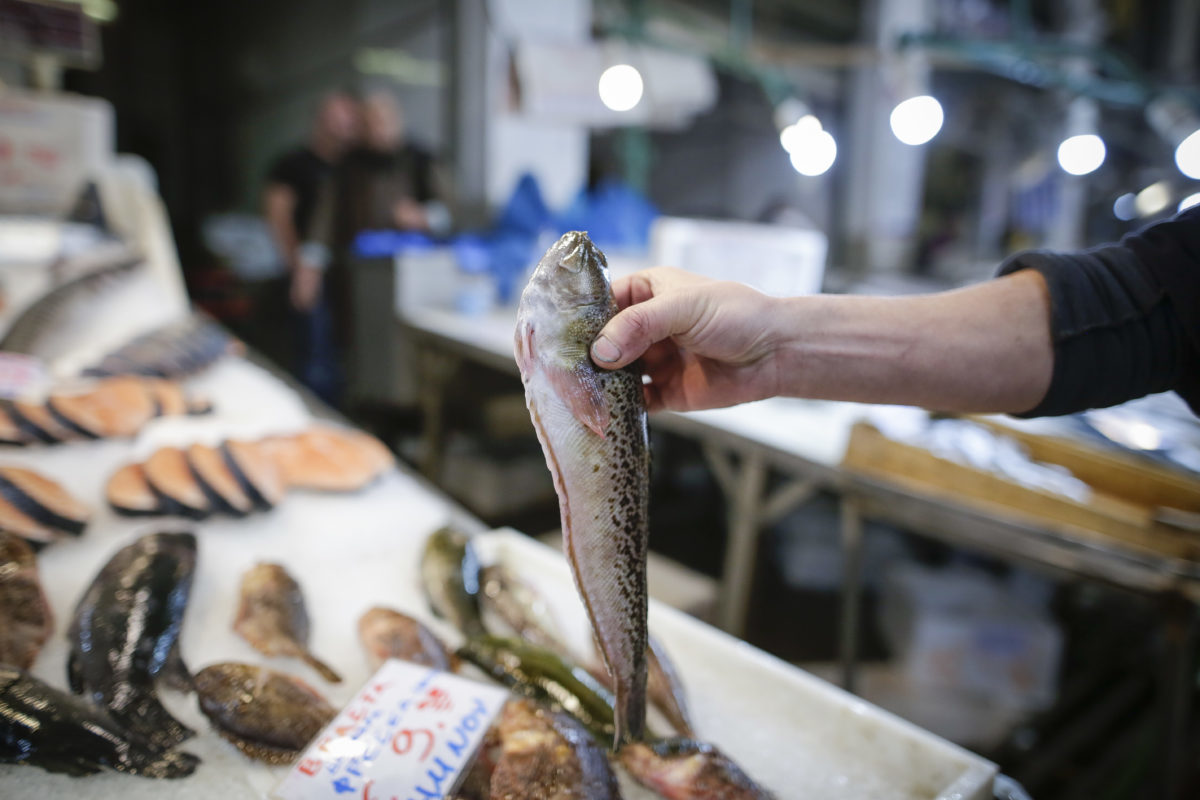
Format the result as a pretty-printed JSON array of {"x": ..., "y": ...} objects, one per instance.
[{"x": 583, "y": 395}]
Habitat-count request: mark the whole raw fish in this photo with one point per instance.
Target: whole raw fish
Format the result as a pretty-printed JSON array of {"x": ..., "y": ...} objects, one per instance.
[
  {"x": 26, "y": 621},
  {"x": 592, "y": 426},
  {"x": 386, "y": 633},
  {"x": 273, "y": 618},
  {"x": 684, "y": 769},
  {"x": 48, "y": 728},
  {"x": 548, "y": 756},
  {"x": 125, "y": 634},
  {"x": 450, "y": 576},
  {"x": 267, "y": 715}
]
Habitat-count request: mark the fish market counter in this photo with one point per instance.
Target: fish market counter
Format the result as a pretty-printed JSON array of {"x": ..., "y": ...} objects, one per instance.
[{"x": 798, "y": 735}]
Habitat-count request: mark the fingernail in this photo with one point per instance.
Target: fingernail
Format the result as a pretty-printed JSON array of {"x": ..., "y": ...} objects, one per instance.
[{"x": 604, "y": 350}]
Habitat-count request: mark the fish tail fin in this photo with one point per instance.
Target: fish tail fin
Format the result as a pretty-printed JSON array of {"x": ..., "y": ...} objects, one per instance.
[
  {"x": 150, "y": 721},
  {"x": 320, "y": 666},
  {"x": 630, "y": 717},
  {"x": 172, "y": 764}
]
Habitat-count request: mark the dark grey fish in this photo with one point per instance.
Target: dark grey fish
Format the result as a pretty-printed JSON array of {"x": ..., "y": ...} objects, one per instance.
[
  {"x": 450, "y": 575},
  {"x": 125, "y": 634},
  {"x": 684, "y": 769},
  {"x": 47, "y": 728},
  {"x": 592, "y": 426},
  {"x": 268, "y": 715},
  {"x": 26, "y": 621},
  {"x": 548, "y": 756}
]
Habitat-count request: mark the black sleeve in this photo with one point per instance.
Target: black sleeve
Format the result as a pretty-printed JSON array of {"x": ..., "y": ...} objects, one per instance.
[
  {"x": 285, "y": 170},
  {"x": 1125, "y": 318}
]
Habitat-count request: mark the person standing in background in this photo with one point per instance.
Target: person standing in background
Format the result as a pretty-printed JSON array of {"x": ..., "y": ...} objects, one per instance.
[
  {"x": 387, "y": 183},
  {"x": 298, "y": 204}
]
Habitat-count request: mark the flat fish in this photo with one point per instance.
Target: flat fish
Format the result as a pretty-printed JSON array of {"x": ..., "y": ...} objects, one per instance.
[
  {"x": 27, "y": 620},
  {"x": 684, "y": 769},
  {"x": 450, "y": 575},
  {"x": 272, "y": 617},
  {"x": 386, "y": 633},
  {"x": 548, "y": 756},
  {"x": 592, "y": 427},
  {"x": 125, "y": 634},
  {"x": 268, "y": 715},
  {"x": 44, "y": 727}
]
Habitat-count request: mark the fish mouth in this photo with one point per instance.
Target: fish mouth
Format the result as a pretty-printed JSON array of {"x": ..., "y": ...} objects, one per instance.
[{"x": 578, "y": 251}]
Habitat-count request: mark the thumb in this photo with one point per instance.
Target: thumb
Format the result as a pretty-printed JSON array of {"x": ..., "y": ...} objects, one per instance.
[{"x": 631, "y": 332}]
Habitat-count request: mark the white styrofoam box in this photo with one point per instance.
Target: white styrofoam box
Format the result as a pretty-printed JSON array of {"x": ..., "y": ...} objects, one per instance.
[
  {"x": 776, "y": 260},
  {"x": 965, "y": 630},
  {"x": 48, "y": 145}
]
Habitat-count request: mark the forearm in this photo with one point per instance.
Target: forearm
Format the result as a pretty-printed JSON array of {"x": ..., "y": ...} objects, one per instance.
[{"x": 984, "y": 348}]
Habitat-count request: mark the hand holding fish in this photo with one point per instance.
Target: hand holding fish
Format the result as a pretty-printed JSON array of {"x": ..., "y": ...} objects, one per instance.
[
  {"x": 704, "y": 343},
  {"x": 708, "y": 344}
]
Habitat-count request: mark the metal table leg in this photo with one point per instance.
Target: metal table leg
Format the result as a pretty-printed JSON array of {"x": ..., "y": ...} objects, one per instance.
[
  {"x": 750, "y": 508},
  {"x": 436, "y": 369},
  {"x": 852, "y": 547}
]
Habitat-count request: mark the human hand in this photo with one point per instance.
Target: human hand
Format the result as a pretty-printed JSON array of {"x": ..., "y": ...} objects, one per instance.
[
  {"x": 703, "y": 343},
  {"x": 305, "y": 288},
  {"x": 409, "y": 215}
]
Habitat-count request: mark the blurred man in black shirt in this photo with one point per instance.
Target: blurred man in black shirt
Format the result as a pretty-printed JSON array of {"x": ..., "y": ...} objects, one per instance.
[{"x": 299, "y": 205}]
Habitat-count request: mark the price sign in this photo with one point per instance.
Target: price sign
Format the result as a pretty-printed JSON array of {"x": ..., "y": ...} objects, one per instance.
[{"x": 407, "y": 735}]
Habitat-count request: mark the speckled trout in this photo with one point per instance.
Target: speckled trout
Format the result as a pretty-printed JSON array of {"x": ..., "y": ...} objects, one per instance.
[{"x": 592, "y": 426}]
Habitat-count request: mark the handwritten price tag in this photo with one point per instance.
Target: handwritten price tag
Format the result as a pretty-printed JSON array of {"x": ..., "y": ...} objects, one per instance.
[{"x": 407, "y": 735}]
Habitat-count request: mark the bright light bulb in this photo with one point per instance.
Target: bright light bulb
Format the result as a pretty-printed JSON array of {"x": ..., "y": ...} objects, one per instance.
[
  {"x": 917, "y": 119},
  {"x": 1189, "y": 201},
  {"x": 796, "y": 135},
  {"x": 1125, "y": 207},
  {"x": 1153, "y": 199},
  {"x": 1187, "y": 155},
  {"x": 815, "y": 155},
  {"x": 621, "y": 87},
  {"x": 1081, "y": 154}
]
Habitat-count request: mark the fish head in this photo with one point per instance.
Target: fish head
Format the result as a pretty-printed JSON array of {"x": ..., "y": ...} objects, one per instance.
[{"x": 572, "y": 274}]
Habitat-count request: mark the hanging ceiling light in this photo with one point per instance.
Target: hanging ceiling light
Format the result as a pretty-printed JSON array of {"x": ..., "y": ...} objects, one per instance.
[
  {"x": 1187, "y": 155},
  {"x": 1079, "y": 155},
  {"x": 1189, "y": 201},
  {"x": 917, "y": 119},
  {"x": 621, "y": 87}
]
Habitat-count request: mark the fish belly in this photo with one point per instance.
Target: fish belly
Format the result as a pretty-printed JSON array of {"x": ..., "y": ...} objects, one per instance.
[{"x": 602, "y": 485}]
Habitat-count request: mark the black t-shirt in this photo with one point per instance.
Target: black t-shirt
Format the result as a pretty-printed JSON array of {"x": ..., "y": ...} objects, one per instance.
[
  {"x": 304, "y": 172},
  {"x": 1125, "y": 318}
]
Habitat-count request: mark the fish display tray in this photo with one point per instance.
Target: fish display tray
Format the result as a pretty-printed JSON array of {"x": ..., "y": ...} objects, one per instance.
[{"x": 800, "y": 736}]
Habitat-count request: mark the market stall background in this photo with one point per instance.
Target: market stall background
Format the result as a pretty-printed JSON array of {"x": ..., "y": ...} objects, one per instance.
[{"x": 1067, "y": 659}]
